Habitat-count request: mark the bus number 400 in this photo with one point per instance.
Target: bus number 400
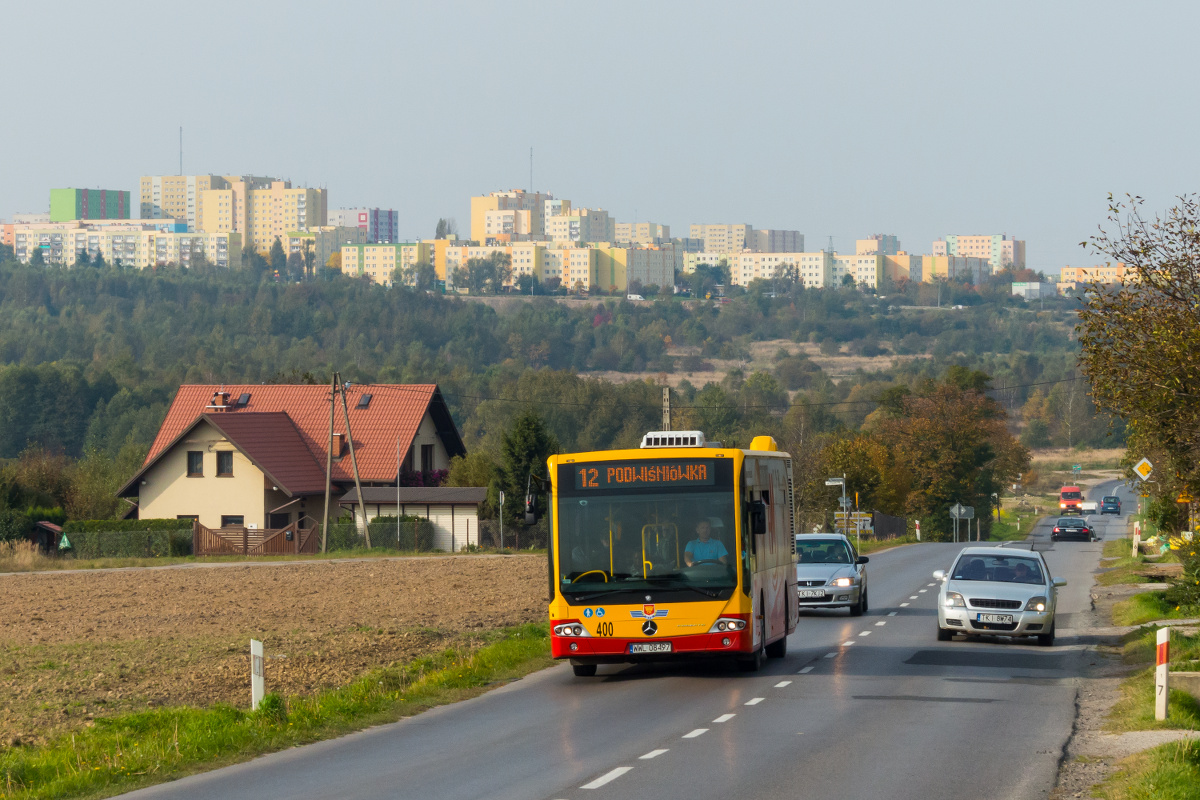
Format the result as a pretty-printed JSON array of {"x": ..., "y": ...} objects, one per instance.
[{"x": 604, "y": 629}]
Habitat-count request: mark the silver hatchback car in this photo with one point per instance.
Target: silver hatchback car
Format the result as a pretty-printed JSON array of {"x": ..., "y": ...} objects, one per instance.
[
  {"x": 829, "y": 573},
  {"x": 998, "y": 591}
]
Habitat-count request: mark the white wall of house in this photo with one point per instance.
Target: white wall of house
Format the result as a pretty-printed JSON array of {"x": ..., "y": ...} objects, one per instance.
[
  {"x": 454, "y": 525},
  {"x": 427, "y": 435}
]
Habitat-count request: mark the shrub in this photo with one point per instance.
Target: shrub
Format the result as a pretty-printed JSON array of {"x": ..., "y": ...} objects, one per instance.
[
  {"x": 14, "y": 525},
  {"x": 1184, "y": 591}
]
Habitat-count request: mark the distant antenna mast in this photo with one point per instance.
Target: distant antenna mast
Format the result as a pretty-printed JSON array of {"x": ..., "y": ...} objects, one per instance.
[
  {"x": 180, "y": 149},
  {"x": 830, "y": 244},
  {"x": 531, "y": 170}
]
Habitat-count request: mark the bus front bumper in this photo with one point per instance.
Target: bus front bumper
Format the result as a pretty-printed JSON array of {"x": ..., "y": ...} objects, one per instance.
[{"x": 613, "y": 650}]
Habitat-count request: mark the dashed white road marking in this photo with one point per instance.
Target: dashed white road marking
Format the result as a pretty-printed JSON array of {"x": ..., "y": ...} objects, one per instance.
[
  {"x": 753, "y": 701},
  {"x": 831, "y": 655},
  {"x": 695, "y": 733},
  {"x": 881, "y": 623},
  {"x": 894, "y": 613},
  {"x": 725, "y": 718},
  {"x": 864, "y": 633},
  {"x": 914, "y": 597},
  {"x": 931, "y": 584},
  {"x": 806, "y": 670},
  {"x": 611, "y": 775},
  {"x": 782, "y": 684},
  {"x": 652, "y": 754},
  {"x": 922, "y": 591},
  {"x": 905, "y": 605},
  {"x": 847, "y": 643}
]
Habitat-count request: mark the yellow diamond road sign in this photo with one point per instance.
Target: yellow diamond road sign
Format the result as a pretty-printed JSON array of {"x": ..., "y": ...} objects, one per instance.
[{"x": 1143, "y": 468}]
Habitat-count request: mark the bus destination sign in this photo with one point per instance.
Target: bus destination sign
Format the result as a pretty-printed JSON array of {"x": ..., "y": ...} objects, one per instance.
[{"x": 643, "y": 474}]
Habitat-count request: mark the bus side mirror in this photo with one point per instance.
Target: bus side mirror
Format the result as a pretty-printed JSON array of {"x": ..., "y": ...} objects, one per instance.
[
  {"x": 758, "y": 518},
  {"x": 531, "y": 515}
]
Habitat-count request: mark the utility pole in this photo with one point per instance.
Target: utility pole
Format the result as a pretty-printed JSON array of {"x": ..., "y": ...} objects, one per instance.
[
  {"x": 328, "y": 464},
  {"x": 362, "y": 506},
  {"x": 666, "y": 408}
]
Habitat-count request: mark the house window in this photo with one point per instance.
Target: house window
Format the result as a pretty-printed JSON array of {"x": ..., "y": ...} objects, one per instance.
[
  {"x": 232, "y": 520},
  {"x": 195, "y": 464},
  {"x": 278, "y": 520},
  {"x": 225, "y": 463},
  {"x": 426, "y": 457}
]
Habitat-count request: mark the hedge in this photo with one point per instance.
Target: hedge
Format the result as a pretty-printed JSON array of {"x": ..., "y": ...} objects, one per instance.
[
  {"x": 113, "y": 525},
  {"x": 130, "y": 544},
  {"x": 416, "y": 533}
]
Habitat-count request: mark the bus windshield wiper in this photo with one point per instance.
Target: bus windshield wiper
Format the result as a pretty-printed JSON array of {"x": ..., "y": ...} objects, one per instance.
[
  {"x": 583, "y": 598},
  {"x": 705, "y": 592}
]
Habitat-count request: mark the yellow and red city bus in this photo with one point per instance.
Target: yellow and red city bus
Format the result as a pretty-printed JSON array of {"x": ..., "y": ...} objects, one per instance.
[{"x": 634, "y": 571}]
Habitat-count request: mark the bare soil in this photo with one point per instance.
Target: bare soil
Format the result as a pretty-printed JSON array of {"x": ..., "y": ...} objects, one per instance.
[{"x": 75, "y": 646}]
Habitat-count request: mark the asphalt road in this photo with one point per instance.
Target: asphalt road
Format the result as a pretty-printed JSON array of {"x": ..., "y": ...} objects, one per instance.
[{"x": 871, "y": 707}]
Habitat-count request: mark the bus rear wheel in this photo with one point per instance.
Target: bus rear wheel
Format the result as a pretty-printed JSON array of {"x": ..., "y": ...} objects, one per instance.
[{"x": 584, "y": 670}]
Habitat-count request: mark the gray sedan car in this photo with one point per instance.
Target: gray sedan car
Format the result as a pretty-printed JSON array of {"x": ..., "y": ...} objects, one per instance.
[
  {"x": 998, "y": 591},
  {"x": 829, "y": 573}
]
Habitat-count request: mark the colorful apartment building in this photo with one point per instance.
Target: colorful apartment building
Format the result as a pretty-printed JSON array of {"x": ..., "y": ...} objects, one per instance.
[
  {"x": 378, "y": 224},
  {"x": 580, "y": 225},
  {"x": 69, "y": 204},
  {"x": 1100, "y": 273},
  {"x": 720, "y": 238},
  {"x": 770, "y": 240},
  {"x": 867, "y": 270},
  {"x": 997, "y": 249},
  {"x": 903, "y": 266},
  {"x": 378, "y": 262},
  {"x": 487, "y": 221},
  {"x": 323, "y": 240},
  {"x": 134, "y": 243},
  {"x": 262, "y": 213},
  {"x": 883, "y": 243},
  {"x": 180, "y": 196},
  {"x": 641, "y": 233},
  {"x": 964, "y": 269}
]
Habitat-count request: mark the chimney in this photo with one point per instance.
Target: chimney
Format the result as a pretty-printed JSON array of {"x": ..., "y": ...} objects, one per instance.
[
  {"x": 339, "y": 442},
  {"x": 219, "y": 402}
]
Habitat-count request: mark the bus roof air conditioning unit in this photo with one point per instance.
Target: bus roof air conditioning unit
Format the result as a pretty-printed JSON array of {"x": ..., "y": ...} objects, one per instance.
[{"x": 673, "y": 439}]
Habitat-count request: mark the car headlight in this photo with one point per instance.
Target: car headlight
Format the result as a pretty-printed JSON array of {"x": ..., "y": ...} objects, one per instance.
[
  {"x": 954, "y": 600},
  {"x": 844, "y": 582},
  {"x": 1036, "y": 604}
]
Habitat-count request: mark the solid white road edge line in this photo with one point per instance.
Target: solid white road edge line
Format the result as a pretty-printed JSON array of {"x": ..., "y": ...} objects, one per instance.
[
  {"x": 652, "y": 754},
  {"x": 753, "y": 701},
  {"x": 695, "y": 733},
  {"x": 611, "y": 775},
  {"x": 725, "y": 718},
  {"x": 782, "y": 684},
  {"x": 805, "y": 671}
]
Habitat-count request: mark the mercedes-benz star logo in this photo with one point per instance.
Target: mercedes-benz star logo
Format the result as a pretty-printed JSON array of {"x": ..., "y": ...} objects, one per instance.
[{"x": 649, "y": 627}]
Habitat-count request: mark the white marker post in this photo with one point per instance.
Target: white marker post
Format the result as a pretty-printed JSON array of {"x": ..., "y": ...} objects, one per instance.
[
  {"x": 1161, "y": 688},
  {"x": 918, "y": 525},
  {"x": 257, "y": 674}
]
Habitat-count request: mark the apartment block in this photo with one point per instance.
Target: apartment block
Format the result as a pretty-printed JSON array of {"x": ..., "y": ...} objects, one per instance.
[
  {"x": 263, "y": 213},
  {"x": 643, "y": 233},
  {"x": 813, "y": 270},
  {"x": 903, "y": 267},
  {"x": 324, "y": 241},
  {"x": 882, "y": 243},
  {"x": 691, "y": 259},
  {"x": 776, "y": 241},
  {"x": 378, "y": 262},
  {"x": 722, "y": 238},
  {"x": 866, "y": 269},
  {"x": 531, "y": 224},
  {"x": 998, "y": 249},
  {"x": 1034, "y": 290},
  {"x": 68, "y": 204},
  {"x": 1100, "y": 273},
  {"x": 967, "y": 269},
  {"x": 581, "y": 225},
  {"x": 380, "y": 224},
  {"x": 179, "y": 196},
  {"x": 137, "y": 245}
]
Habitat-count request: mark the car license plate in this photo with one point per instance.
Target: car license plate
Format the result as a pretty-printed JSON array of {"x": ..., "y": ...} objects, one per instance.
[
  {"x": 812, "y": 592},
  {"x": 650, "y": 647},
  {"x": 999, "y": 619}
]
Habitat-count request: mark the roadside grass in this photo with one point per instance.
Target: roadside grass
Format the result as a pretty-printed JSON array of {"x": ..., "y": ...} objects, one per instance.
[
  {"x": 1134, "y": 711},
  {"x": 1167, "y": 772},
  {"x": 1145, "y": 607},
  {"x": 1121, "y": 566},
  {"x": 28, "y": 559},
  {"x": 128, "y": 751},
  {"x": 869, "y": 546},
  {"x": 1061, "y": 460},
  {"x": 1012, "y": 527}
]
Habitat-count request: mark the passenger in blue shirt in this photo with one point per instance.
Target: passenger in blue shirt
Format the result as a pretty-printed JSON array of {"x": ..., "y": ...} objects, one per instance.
[{"x": 705, "y": 548}]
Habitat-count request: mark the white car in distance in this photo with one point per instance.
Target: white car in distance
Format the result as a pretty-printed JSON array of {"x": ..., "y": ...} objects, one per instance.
[{"x": 998, "y": 591}]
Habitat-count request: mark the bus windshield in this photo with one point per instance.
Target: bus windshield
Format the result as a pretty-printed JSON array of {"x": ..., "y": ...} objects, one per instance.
[{"x": 673, "y": 538}]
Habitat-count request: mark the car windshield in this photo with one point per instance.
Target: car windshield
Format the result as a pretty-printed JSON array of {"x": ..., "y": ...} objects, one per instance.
[
  {"x": 1001, "y": 569},
  {"x": 1072, "y": 495},
  {"x": 822, "y": 551},
  {"x": 1071, "y": 522},
  {"x": 637, "y": 542}
]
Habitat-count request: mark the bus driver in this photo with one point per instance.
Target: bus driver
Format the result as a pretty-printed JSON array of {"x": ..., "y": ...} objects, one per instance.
[{"x": 705, "y": 548}]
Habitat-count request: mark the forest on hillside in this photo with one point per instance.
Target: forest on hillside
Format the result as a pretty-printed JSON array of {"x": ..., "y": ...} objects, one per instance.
[{"x": 90, "y": 358}]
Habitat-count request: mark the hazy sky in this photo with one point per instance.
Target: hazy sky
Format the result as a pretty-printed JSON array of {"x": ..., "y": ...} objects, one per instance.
[{"x": 834, "y": 118}]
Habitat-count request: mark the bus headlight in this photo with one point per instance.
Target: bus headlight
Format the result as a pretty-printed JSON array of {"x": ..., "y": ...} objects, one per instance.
[
  {"x": 727, "y": 624},
  {"x": 570, "y": 629}
]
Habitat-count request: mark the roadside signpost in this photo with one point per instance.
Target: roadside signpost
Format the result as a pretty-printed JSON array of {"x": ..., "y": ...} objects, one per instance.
[
  {"x": 1143, "y": 469},
  {"x": 1161, "y": 688},
  {"x": 959, "y": 511},
  {"x": 257, "y": 674},
  {"x": 501, "y": 519}
]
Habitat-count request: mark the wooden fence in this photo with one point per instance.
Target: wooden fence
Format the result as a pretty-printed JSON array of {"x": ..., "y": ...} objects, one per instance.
[{"x": 241, "y": 541}]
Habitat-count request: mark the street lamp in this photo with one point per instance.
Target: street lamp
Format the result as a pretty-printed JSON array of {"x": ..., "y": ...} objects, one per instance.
[{"x": 845, "y": 506}]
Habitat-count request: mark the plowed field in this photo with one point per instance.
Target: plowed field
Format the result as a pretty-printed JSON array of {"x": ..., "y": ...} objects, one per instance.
[{"x": 74, "y": 646}]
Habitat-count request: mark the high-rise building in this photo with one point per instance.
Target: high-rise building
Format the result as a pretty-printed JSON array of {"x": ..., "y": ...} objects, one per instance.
[
  {"x": 179, "y": 196},
  {"x": 998, "y": 249},
  {"x": 382, "y": 225},
  {"x": 68, "y": 204},
  {"x": 882, "y": 243},
  {"x": 378, "y": 262},
  {"x": 643, "y": 233},
  {"x": 529, "y": 224},
  {"x": 812, "y": 270},
  {"x": 581, "y": 225},
  {"x": 770, "y": 240},
  {"x": 967, "y": 269},
  {"x": 262, "y": 214},
  {"x": 323, "y": 240},
  {"x": 722, "y": 238}
]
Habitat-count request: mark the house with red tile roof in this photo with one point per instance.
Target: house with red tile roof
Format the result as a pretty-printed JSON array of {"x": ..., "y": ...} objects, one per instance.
[{"x": 255, "y": 455}]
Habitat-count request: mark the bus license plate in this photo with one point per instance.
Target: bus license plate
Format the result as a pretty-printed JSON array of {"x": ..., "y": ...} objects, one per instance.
[
  {"x": 812, "y": 592},
  {"x": 999, "y": 619},
  {"x": 650, "y": 647}
]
